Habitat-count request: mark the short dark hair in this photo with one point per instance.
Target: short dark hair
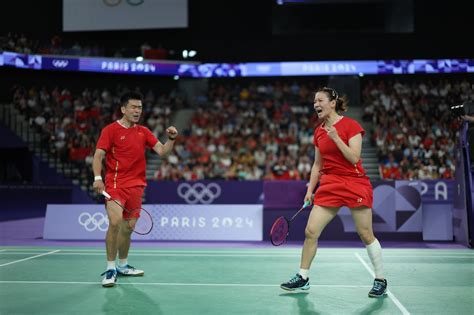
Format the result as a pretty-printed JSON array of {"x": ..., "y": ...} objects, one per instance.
[{"x": 127, "y": 96}]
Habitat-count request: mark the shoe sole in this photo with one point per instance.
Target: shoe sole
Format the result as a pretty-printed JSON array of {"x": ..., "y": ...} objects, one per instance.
[
  {"x": 377, "y": 296},
  {"x": 109, "y": 285},
  {"x": 135, "y": 275},
  {"x": 296, "y": 289}
]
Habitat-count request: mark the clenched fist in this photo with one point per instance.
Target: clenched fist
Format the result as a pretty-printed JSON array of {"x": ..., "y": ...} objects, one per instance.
[
  {"x": 172, "y": 132},
  {"x": 332, "y": 132}
]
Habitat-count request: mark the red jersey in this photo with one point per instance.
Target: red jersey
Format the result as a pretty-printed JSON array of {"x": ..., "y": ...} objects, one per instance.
[
  {"x": 332, "y": 158},
  {"x": 125, "y": 154}
]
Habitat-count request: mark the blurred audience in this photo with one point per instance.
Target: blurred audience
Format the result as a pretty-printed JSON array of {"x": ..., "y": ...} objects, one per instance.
[
  {"x": 413, "y": 130},
  {"x": 258, "y": 130},
  {"x": 20, "y": 43}
]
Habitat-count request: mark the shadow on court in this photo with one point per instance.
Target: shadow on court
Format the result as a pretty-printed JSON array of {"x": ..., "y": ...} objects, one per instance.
[
  {"x": 305, "y": 306},
  {"x": 373, "y": 306},
  {"x": 127, "y": 299}
]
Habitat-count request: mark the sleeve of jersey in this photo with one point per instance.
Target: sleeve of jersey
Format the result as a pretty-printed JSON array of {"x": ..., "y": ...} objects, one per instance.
[
  {"x": 151, "y": 140},
  {"x": 353, "y": 129},
  {"x": 105, "y": 140}
]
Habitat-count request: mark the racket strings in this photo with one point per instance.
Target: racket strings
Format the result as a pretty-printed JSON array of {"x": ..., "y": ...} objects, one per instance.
[
  {"x": 143, "y": 224},
  {"x": 279, "y": 231}
]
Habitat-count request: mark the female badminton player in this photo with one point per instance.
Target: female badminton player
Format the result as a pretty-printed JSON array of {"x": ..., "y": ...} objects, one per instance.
[{"x": 338, "y": 168}]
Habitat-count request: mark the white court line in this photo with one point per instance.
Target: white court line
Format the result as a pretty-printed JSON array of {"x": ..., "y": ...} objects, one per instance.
[
  {"x": 32, "y": 257},
  {"x": 198, "y": 254},
  {"x": 179, "y": 251},
  {"x": 175, "y": 255},
  {"x": 181, "y": 284},
  {"x": 171, "y": 251},
  {"x": 226, "y": 249},
  {"x": 323, "y": 252},
  {"x": 390, "y": 294}
]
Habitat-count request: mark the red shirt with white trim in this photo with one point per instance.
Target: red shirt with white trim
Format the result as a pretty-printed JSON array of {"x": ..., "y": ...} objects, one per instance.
[
  {"x": 125, "y": 154},
  {"x": 333, "y": 161}
]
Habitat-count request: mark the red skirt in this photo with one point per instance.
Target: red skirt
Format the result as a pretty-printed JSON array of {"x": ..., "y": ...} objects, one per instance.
[{"x": 349, "y": 191}]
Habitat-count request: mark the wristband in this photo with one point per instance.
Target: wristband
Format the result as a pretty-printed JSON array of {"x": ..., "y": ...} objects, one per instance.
[
  {"x": 172, "y": 139},
  {"x": 97, "y": 178}
]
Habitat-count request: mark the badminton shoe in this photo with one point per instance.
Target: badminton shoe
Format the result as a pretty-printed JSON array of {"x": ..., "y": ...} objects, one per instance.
[
  {"x": 128, "y": 270},
  {"x": 110, "y": 278},
  {"x": 296, "y": 283},
  {"x": 379, "y": 288}
]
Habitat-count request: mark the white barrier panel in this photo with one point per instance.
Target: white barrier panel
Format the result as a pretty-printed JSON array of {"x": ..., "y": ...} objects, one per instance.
[{"x": 171, "y": 222}]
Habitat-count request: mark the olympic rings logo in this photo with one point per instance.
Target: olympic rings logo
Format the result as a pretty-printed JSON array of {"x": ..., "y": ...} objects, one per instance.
[
  {"x": 114, "y": 3},
  {"x": 97, "y": 221},
  {"x": 60, "y": 63},
  {"x": 199, "y": 193}
]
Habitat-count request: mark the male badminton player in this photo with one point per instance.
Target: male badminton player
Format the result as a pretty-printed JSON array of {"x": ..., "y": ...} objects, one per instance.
[
  {"x": 338, "y": 168},
  {"x": 123, "y": 145}
]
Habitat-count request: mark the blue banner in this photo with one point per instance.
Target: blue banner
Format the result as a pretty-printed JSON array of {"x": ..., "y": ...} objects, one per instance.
[
  {"x": 128, "y": 66},
  {"x": 205, "y": 192},
  {"x": 251, "y": 69},
  {"x": 233, "y": 210}
]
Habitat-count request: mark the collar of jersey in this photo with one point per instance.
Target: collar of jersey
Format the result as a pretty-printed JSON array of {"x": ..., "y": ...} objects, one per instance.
[{"x": 118, "y": 121}]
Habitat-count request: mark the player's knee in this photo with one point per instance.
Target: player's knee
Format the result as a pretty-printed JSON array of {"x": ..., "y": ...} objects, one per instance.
[
  {"x": 366, "y": 235},
  {"x": 129, "y": 227},
  {"x": 115, "y": 222},
  {"x": 311, "y": 233}
]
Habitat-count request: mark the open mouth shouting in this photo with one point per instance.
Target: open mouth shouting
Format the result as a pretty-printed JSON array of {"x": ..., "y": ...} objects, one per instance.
[{"x": 319, "y": 111}]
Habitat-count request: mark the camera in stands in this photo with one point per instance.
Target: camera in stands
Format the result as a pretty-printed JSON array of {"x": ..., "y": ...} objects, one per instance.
[{"x": 463, "y": 109}]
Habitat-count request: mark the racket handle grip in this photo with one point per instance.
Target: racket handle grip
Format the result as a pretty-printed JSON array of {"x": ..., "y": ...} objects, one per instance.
[
  {"x": 106, "y": 195},
  {"x": 307, "y": 203}
]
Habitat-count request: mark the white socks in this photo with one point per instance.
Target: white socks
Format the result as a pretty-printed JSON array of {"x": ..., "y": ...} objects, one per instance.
[
  {"x": 110, "y": 264},
  {"x": 123, "y": 262},
  {"x": 304, "y": 273},
  {"x": 374, "y": 251}
]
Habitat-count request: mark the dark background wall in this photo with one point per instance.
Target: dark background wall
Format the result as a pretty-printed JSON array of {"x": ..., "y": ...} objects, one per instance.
[{"x": 260, "y": 30}]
